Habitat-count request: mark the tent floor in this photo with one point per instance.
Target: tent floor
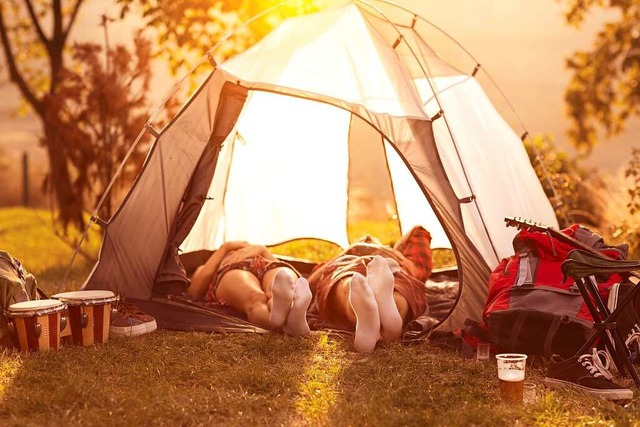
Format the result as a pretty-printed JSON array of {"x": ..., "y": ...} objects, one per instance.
[{"x": 182, "y": 314}]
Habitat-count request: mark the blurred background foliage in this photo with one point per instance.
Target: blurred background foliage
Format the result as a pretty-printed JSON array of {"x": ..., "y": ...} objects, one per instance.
[{"x": 56, "y": 78}]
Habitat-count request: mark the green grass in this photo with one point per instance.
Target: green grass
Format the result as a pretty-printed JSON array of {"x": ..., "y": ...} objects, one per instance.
[
  {"x": 387, "y": 232},
  {"x": 189, "y": 378},
  {"x": 27, "y": 235}
]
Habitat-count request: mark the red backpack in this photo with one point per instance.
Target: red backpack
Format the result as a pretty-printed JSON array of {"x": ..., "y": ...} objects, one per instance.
[{"x": 531, "y": 308}]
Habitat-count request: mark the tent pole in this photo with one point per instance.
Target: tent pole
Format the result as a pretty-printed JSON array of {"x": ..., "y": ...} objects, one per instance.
[
  {"x": 349, "y": 164},
  {"x": 208, "y": 56},
  {"x": 75, "y": 253},
  {"x": 538, "y": 156},
  {"x": 427, "y": 74},
  {"x": 393, "y": 187},
  {"x": 96, "y": 209},
  {"x": 164, "y": 188}
]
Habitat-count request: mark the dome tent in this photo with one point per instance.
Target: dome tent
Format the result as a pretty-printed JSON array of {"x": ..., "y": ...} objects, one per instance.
[{"x": 261, "y": 153}]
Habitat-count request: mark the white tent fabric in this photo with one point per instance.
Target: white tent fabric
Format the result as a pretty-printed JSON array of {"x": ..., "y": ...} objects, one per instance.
[
  {"x": 298, "y": 184},
  {"x": 268, "y": 135},
  {"x": 335, "y": 53},
  {"x": 413, "y": 208},
  {"x": 339, "y": 54},
  {"x": 488, "y": 161}
]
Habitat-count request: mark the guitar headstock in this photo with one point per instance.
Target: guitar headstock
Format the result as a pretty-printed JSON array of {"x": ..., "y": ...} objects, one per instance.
[{"x": 525, "y": 224}]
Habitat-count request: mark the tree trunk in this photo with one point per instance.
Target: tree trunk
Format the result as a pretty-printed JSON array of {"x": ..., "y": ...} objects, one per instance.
[{"x": 69, "y": 203}]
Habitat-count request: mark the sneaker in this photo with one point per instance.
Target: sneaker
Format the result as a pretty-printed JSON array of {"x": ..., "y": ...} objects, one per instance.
[
  {"x": 628, "y": 327},
  {"x": 129, "y": 321},
  {"x": 587, "y": 373}
]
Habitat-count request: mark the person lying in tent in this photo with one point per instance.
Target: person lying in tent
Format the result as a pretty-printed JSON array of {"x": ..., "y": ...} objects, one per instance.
[
  {"x": 375, "y": 289},
  {"x": 249, "y": 279},
  {"x": 370, "y": 288}
]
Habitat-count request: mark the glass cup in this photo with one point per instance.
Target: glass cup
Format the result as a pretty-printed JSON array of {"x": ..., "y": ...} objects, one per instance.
[
  {"x": 482, "y": 351},
  {"x": 511, "y": 369},
  {"x": 529, "y": 396}
]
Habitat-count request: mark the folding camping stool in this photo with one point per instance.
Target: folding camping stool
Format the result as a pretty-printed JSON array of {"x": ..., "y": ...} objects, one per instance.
[{"x": 583, "y": 267}]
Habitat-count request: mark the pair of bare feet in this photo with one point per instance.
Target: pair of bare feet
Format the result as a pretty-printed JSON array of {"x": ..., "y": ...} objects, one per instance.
[
  {"x": 290, "y": 303},
  {"x": 371, "y": 298}
]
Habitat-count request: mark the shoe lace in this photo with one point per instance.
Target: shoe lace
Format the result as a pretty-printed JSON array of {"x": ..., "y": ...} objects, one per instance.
[
  {"x": 634, "y": 336},
  {"x": 632, "y": 342},
  {"x": 126, "y": 309},
  {"x": 595, "y": 364}
]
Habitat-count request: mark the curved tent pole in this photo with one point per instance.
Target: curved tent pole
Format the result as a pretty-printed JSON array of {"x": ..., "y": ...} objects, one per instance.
[
  {"x": 208, "y": 56},
  {"x": 525, "y": 134},
  {"x": 427, "y": 74},
  {"x": 96, "y": 209}
]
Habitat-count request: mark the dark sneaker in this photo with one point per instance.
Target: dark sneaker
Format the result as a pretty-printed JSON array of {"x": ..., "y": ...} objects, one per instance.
[
  {"x": 129, "y": 321},
  {"x": 628, "y": 320},
  {"x": 586, "y": 373}
]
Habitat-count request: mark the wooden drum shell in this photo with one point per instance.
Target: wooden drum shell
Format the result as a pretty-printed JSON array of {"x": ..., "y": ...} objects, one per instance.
[
  {"x": 37, "y": 329},
  {"x": 89, "y": 315}
]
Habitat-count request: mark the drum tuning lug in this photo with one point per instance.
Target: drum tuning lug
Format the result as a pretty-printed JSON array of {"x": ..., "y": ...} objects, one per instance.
[
  {"x": 63, "y": 322},
  {"x": 84, "y": 320},
  {"x": 38, "y": 329}
]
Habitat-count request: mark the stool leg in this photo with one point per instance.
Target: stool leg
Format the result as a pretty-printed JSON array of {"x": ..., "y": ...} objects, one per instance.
[{"x": 622, "y": 356}]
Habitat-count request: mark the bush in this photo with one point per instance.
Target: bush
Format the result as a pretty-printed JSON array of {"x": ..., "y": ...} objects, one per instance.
[{"x": 571, "y": 188}]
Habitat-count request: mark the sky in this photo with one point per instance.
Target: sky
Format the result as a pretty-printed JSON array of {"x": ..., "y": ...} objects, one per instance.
[{"x": 523, "y": 45}]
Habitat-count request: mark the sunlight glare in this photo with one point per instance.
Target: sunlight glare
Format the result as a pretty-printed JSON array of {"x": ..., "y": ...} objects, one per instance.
[
  {"x": 9, "y": 368},
  {"x": 318, "y": 392}
]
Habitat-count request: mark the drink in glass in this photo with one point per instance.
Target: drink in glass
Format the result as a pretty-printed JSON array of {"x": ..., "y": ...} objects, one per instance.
[{"x": 511, "y": 370}]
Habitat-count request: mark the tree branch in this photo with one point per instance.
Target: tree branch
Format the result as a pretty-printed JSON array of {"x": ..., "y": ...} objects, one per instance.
[
  {"x": 34, "y": 19},
  {"x": 56, "y": 46},
  {"x": 57, "y": 19},
  {"x": 71, "y": 20},
  {"x": 15, "y": 75}
]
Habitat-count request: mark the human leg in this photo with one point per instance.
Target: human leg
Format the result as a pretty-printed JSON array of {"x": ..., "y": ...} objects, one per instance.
[
  {"x": 242, "y": 291},
  {"x": 403, "y": 306},
  {"x": 337, "y": 308},
  {"x": 351, "y": 303}
]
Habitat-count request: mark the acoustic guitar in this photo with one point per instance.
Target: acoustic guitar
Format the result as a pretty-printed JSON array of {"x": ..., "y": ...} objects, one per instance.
[{"x": 528, "y": 225}]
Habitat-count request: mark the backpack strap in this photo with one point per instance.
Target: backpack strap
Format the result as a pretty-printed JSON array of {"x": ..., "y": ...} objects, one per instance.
[
  {"x": 17, "y": 265},
  {"x": 526, "y": 269},
  {"x": 497, "y": 323},
  {"x": 548, "y": 341},
  {"x": 517, "y": 328}
]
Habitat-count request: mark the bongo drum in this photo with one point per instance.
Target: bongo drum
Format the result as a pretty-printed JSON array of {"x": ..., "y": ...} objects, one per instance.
[
  {"x": 37, "y": 324},
  {"x": 89, "y": 315}
]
